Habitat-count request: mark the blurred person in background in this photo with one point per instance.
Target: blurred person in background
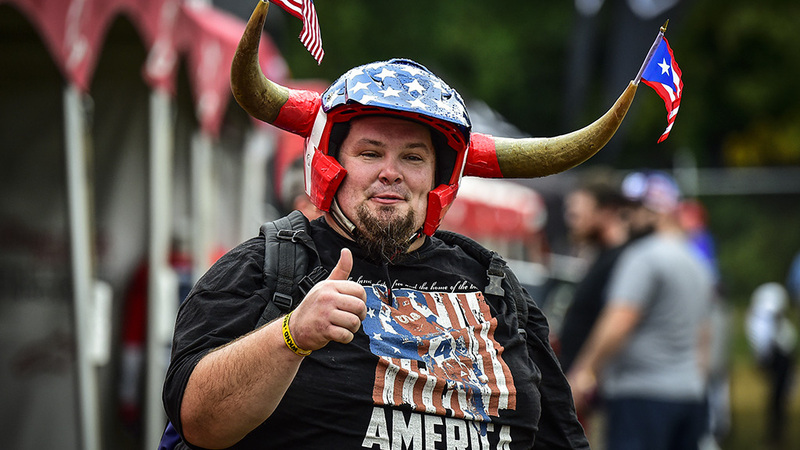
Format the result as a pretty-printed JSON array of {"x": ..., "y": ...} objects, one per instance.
[
  {"x": 693, "y": 218},
  {"x": 648, "y": 351},
  {"x": 793, "y": 279},
  {"x": 773, "y": 339},
  {"x": 595, "y": 217}
]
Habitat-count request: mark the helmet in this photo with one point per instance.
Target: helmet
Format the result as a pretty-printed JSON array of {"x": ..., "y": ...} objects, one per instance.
[
  {"x": 403, "y": 88},
  {"x": 398, "y": 87}
]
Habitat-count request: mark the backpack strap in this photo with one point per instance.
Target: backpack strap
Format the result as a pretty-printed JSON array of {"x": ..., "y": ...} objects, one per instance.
[
  {"x": 519, "y": 294},
  {"x": 497, "y": 272},
  {"x": 288, "y": 253}
]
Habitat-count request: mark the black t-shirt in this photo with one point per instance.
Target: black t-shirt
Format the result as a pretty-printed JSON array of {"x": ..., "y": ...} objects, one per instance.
[
  {"x": 587, "y": 303},
  {"x": 437, "y": 366}
]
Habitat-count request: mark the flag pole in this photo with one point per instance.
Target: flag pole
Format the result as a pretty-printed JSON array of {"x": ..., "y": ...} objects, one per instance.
[{"x": 651, "y": 52}]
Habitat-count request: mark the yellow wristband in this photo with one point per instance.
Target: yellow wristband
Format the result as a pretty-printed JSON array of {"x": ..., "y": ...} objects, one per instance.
[{"x": 287, "y": 337}]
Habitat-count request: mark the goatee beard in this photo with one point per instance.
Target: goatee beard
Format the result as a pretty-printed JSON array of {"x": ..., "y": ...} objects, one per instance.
[{"x": 386, "y": 239}]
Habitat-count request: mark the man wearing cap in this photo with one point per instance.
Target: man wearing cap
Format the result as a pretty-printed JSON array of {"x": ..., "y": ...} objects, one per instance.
[
  {"x": 646, "y": 353},
  {"x": 407, "y": 343}
]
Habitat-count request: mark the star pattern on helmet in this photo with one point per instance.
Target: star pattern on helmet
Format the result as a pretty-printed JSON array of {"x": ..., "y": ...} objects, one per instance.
[
  {"x": 417, "y": 103},
  {"x": 414, "y": 86},
  {"x": 385, "y": 73},
  {"x": 398, "y": 85},
  {"x": 360, "y": 86},
  {"x": 390, "y": 92}
]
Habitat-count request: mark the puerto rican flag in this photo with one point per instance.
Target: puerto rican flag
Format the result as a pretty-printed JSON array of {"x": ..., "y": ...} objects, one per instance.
[
  {"x": 310, "y": 36},
  {"x": 663, "y": 74},
  {"x": 437, "y": 353}
]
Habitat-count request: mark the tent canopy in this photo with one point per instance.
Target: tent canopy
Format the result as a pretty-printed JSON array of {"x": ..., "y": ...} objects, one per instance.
[{"x": 74, "y": 32}]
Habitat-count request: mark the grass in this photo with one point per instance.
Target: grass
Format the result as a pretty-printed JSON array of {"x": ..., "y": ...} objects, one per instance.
[
  {"x": 749, "y": 390},
  {"x": 748, "y": 411}
]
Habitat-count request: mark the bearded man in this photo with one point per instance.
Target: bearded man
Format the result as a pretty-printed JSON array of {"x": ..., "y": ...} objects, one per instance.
[{"x": 416, "y": 338}]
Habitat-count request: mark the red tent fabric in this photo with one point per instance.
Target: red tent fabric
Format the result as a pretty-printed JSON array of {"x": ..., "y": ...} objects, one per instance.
[
  {"x": 496, "y": 209},
  {"x": 74, "y": 32},
  {"x": 209, "y": 38}
]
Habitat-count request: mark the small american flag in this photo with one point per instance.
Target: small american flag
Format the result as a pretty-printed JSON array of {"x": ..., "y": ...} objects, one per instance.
[{"x": 310, "y": 36}]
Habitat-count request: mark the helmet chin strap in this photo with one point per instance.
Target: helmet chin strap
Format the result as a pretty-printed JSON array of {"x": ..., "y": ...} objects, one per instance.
[
  {"x": 350, "y": 229},
  {"x": 344, "y": 223}
]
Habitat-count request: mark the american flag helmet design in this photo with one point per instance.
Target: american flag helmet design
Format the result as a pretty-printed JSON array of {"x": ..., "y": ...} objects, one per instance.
[
  {"x": 402, "y": 88},
  {"x": 401, "y": 85}
]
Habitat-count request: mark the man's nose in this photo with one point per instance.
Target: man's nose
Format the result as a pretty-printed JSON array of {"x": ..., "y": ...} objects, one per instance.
[{"x": 390, "y": 171}]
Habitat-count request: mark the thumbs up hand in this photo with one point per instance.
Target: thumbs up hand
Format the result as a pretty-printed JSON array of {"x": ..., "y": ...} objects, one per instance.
[{"x": 332, "y": 310}]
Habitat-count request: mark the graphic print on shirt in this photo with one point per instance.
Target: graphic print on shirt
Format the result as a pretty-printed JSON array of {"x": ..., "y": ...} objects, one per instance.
[{"x": 437, "y": 353}]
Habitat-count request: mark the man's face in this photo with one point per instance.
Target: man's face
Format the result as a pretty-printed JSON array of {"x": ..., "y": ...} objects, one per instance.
[
  {"x": 390, "y": 165},
  {"x": 581, "y": 216}
]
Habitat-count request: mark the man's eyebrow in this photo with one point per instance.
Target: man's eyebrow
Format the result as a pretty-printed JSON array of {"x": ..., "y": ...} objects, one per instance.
[
  {"x": 373, "y": 142},
  {"x": 377, "y": 143},
  {"x": 418, "y": 145}
]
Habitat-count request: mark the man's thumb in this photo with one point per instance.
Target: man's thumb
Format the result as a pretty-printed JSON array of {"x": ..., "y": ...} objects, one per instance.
[{"x": 343, "y": 267}]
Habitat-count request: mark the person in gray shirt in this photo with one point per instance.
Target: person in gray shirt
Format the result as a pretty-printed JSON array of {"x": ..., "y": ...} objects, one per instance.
[{"x": 647, "y": 353}]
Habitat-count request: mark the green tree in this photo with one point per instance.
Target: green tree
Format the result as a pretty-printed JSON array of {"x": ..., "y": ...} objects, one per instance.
[{"x": 740, "y": 61}]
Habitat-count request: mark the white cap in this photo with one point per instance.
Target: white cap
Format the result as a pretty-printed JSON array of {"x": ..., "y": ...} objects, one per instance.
[{"x": 656, "y": 191}]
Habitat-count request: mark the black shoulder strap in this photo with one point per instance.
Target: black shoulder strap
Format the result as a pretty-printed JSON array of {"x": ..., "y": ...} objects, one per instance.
[
  {"x": 497, "y": 272},
  {"x": 288, "y": 253}
]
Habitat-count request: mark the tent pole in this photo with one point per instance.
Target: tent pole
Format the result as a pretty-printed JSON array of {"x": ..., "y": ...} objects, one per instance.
[
  {"x": 162, "y": 289},
  {"x": 258, "y": 149},
  {"x": 78, "y": 185},
  {"x": 203, "y": 202}
]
